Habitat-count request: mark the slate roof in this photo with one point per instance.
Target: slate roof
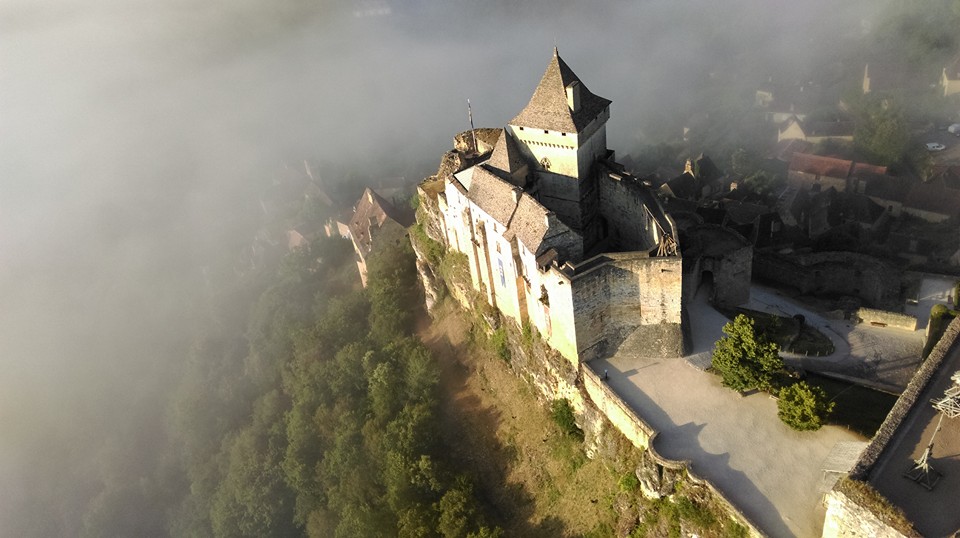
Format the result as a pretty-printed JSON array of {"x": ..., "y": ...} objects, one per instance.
[
  {"x": 506, "y": 155},
  {"x": 886, "y": 187},
  {"x": 786, "y": 148},
  {"x": 828, "y": 128},
  {"x": 493, "y": 195},
  {"x": 682, "y": 186},
  {"x": 529, "y": 224},
  {"x": 548, "y": 108},
  {"x": 935, "y": 197},
  {"x": 372, "y": 212}
]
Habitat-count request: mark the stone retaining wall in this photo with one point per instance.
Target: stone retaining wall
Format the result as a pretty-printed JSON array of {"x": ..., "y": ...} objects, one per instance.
[
  {"x": 846, "y": 518},
  {"x": 886, "y": 318},
  {"x": 642, "y": 435}
]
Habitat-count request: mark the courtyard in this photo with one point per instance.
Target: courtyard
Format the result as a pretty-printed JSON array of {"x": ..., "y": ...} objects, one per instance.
[{"x": 773, "y": 474}]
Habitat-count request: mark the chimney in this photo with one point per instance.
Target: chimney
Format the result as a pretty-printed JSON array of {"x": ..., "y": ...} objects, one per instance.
[{"x": 573, "y": 95}]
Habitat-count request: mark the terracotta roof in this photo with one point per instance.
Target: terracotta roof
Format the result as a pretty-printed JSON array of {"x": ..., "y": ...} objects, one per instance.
[
  {"x": 864, "y": 169},
  {"x": 493, "y": 195},
  {"x": 548, "y": 108},
  {"x": 506, "y": 155},
  {"x": 822, "y": 166}
]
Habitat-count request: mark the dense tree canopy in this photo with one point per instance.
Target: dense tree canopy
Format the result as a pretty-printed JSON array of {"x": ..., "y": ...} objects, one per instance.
[
  {"x": 318, "y": 416},
  {"x": 744, "y": 359},
  {"x": 803, "y": 407}
]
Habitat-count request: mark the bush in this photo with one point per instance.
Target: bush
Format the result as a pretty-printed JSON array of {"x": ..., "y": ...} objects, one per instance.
[
  {"x": 562, "y": 413},
  {"x": 802, "y": 407},
  {"x": 500, "y": 345},
  {"x": 629, "y": 482}
]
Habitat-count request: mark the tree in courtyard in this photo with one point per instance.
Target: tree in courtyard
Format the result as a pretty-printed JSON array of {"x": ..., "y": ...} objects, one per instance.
[
  {"x": 802, "y": 407},
  {"x": 744, "y": 359}
]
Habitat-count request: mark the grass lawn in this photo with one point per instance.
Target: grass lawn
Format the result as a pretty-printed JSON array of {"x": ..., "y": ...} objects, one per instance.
[{"x": 857, "y": 408}]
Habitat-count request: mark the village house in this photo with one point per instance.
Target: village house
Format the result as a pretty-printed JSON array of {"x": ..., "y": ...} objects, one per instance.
[
  {"x": 950, "y": 78},
  {"x": 815, "y": 131},
  {"x": 816, "y": 172},
  {"x": 374, "y": 222}
]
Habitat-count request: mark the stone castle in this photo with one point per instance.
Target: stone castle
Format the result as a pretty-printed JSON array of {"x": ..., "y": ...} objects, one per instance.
[{"x": 558, "y": 235}]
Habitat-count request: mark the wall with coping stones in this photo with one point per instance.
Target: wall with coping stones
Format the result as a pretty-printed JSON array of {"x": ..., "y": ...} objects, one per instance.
[
  {"x": 845, "y": 518},
  {"x": 870, "y": 455},
  {"x": 887, "y": 318},
  {"x": 642, "y": 435}
]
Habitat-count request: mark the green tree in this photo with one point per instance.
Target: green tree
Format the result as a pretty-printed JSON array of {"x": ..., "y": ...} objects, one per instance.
[
  {"x": 881, "y": 134},
  {"x": 744, "y": 359},
  {"x": 802, "y": 407}
]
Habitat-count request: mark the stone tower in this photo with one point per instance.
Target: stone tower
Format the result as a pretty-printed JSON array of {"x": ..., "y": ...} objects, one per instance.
[{"x": 562, "y": 132}]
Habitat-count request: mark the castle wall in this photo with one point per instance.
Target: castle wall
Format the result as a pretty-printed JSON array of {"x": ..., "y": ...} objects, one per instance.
[
  {"x": 842, "y": 273},
  {"x": 623, "y": 206},
  {"x": 887, "y": 319},
  {"x": 560, "y": 320},
  {"x": 617, "y": 294},
  {"x": 847, "y": 519}
]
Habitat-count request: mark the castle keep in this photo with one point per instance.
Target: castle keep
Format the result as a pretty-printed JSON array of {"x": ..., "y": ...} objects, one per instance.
[{"x": 558, "y": 236}]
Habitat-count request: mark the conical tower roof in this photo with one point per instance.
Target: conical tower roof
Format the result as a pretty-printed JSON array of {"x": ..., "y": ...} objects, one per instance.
[
  {"x": 549, "y": 108},
  {"x": 506, "y": 155}
]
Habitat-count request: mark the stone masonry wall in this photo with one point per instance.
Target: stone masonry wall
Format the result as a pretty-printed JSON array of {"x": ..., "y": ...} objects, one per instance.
[
  {"x": 833, "y": 273},
  {"x": 870, "y": 455},
  {"x": 846, "y": 518},
  {"x": 887, "y": 319},
  {"x": 617, "y": 294}
]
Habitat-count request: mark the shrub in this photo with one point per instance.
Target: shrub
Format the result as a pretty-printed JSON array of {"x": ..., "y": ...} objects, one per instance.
[
  {"x": 802, "y": 407},
  {"x": 629, "y": 482},
  {"x": 562, "y": 413},
  {"x": 500, "y": 345}
]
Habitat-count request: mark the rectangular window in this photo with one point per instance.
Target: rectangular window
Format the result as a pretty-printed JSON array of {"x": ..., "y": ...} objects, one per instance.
[{"x": 503, "y": 278}]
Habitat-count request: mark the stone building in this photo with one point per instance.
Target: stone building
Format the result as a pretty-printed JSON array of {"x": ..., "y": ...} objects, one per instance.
[
  {"x": 558, "y": 236},
  {"x": 374, "y": 222}
]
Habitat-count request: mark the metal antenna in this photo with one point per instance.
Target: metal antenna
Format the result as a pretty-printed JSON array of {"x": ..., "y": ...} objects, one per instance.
[
  {"x": 473, "y": 131},
  {"x": 922, "y": 472}
]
